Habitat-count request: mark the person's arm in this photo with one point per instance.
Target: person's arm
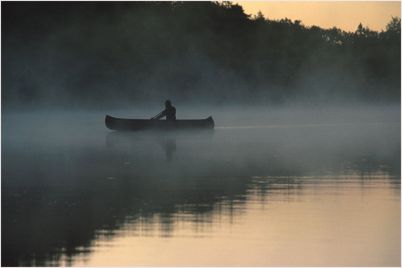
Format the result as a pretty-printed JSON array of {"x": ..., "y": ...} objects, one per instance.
[{"x": 162, "y": 114}]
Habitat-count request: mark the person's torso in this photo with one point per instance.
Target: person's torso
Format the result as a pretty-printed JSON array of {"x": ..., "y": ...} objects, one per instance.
[{"x": 171, "y": 113}]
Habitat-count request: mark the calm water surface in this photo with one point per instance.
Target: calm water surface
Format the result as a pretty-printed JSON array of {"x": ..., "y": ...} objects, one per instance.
[{"x": 271, "y": 193}]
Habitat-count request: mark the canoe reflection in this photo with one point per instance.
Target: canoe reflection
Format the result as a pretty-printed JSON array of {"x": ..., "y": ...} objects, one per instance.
[
  {"x": 166, "y": 140},
  {"x": 170, "y": 148}
]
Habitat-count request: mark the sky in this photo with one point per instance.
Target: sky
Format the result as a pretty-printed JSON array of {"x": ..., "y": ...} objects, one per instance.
[{"x": 343, "y": 15}]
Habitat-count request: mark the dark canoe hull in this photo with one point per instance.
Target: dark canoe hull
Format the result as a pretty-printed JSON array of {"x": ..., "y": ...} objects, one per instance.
[{"x": 122, "y": 124}]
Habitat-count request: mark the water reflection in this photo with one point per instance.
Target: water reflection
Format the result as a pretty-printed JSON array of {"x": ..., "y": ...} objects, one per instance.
[{"x": 66, "y": 202}]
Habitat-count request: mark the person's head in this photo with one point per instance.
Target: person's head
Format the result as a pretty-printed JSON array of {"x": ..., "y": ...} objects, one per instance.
[{"x": 168, "y": 103}]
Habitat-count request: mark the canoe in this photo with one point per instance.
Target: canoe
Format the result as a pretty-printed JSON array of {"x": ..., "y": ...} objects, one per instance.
[{"x": 123, "y": 124}]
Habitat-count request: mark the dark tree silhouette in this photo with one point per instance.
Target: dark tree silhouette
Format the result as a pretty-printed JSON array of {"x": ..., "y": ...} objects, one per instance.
[{"x": 104, "y": 52}]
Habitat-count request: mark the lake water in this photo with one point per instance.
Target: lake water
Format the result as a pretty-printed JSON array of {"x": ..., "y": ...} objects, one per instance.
[{"x": 290, "y": 188}]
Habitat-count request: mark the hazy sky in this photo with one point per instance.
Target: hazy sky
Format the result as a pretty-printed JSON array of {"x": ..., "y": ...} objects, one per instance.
[{"x": 344, "y": 15}]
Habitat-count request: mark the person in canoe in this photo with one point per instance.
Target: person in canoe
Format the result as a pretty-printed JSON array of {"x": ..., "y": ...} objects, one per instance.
[{"x": 169, "y": 112}]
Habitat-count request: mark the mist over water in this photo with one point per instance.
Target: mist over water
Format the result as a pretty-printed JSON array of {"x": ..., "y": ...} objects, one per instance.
[{"x": 320, "y": 184}]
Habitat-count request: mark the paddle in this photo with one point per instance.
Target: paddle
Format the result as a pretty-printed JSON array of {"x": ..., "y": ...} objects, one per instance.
[{"x": 156, "y": 116}]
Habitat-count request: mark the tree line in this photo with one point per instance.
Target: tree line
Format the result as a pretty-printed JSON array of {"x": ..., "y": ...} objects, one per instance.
[{"x": 212, "y": 52}]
